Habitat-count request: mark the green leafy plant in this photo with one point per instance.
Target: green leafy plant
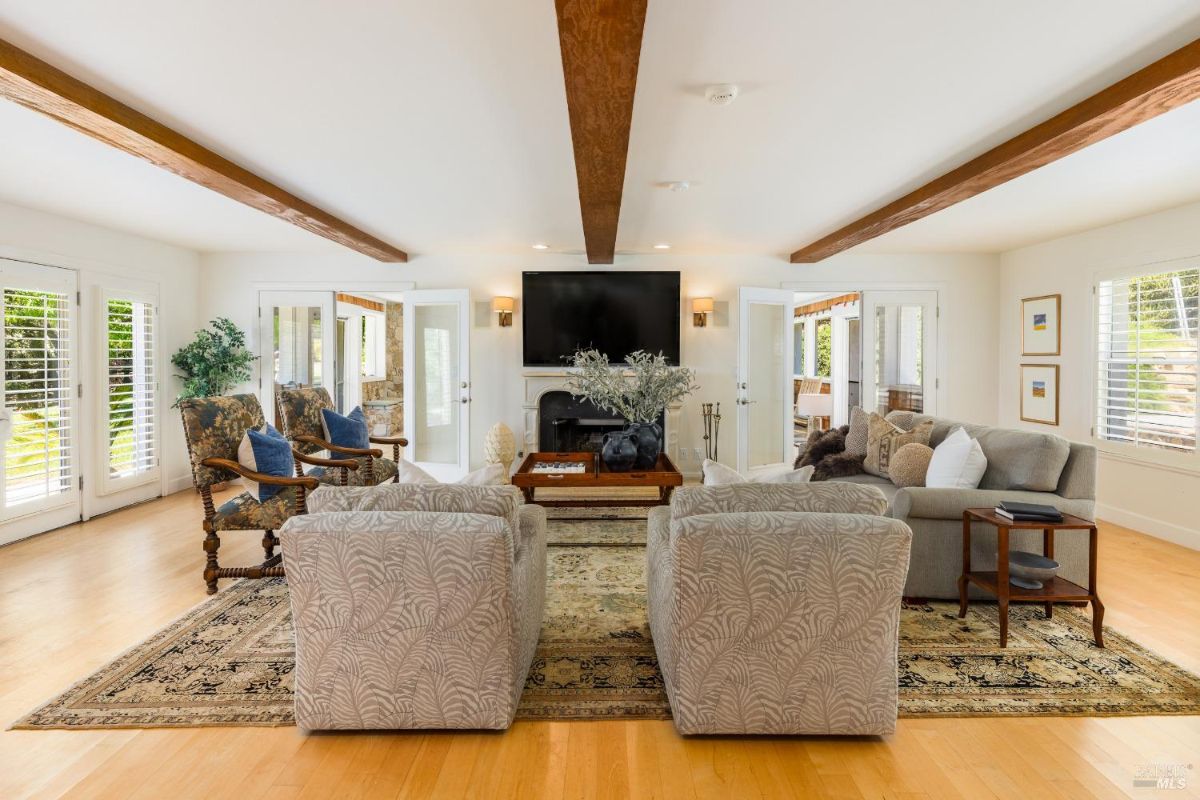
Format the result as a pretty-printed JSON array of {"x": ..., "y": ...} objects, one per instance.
[
  {"x": 215, "y": 361},
  {"x": 638, "y": 390}
]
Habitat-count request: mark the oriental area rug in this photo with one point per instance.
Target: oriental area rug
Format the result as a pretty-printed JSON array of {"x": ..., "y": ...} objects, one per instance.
[{"x": 229, "y": 660}]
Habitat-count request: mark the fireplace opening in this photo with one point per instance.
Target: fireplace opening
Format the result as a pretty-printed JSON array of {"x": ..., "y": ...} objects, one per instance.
[{"x": 573, "y": 424}]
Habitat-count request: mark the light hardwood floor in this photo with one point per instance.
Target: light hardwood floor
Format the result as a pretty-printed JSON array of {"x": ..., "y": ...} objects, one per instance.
[{"x": 73, "y": 599}]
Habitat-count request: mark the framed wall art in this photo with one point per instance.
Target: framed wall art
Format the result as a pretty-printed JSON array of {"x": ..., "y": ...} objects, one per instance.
[
  {"x": 1039, "y": 393},
  {"x": 1041, "y": 331}
]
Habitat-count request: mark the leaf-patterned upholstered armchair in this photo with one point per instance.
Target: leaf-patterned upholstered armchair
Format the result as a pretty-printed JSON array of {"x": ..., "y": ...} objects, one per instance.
[
  {"x": 300, "y": 413},
  {"x": 213, "y": 428},
  {"x": 775, "y": 608},
  {"x": 415, "y": 606}
]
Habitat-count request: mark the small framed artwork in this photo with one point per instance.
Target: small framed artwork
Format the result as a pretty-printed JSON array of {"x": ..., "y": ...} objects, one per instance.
[
  {"x": 1041, "y": 334},
  {"x": 1039, "y": 393}
]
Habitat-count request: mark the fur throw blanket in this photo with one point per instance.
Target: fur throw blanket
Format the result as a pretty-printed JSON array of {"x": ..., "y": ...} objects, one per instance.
[{"x": 825, "y": 451}]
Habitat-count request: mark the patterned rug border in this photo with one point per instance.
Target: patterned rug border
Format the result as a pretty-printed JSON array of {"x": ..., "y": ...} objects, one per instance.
[{"x": 240, "y": 587}]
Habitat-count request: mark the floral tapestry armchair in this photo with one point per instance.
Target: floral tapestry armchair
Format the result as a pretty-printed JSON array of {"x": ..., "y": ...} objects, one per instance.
[{"x": 300, "y": 413}]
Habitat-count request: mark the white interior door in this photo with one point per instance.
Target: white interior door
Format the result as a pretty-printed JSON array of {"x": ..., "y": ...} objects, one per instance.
[
  {"x": 764, "y": 378},
  {"x": 297, "y": 343},
  {"x": 39, "y": 473},
  {"x": 437, "y": 380},
  {"x": 899, "y": 347}
]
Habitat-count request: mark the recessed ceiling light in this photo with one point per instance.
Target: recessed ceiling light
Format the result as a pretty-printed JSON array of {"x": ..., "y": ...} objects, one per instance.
[
  {"x": 679, "y": 186},
  {"x": 663, "y": 246},
  {"x": 541, "y": 246}
]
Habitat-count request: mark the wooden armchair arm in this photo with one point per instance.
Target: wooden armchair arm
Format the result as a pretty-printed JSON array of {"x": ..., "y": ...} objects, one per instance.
[
  {"x": 325, "y": 462},
  {"x": 333, "y": 448},
  {"x": 400, "y": 440},
  {"x": 273, "y": 480}
]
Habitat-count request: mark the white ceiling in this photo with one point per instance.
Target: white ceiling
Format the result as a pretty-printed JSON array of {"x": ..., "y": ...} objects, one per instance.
[{"x": 442, "y": 126}]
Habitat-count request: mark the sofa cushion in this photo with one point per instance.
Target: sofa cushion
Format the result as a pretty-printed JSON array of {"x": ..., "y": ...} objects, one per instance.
[
  {"x": 884, "y": 439},
  {"x": 910, "y": 465},
  {"x": 957, "y": 463},
  {"x": 828, "y": 497},
  {"x": 1025, "y": 460},
  {"x": 856, "y": 436}
]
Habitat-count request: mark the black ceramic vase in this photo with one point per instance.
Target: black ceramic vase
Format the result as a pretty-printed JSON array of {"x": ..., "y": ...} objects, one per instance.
[
  {"x": 648, "y": 437},
  {"x": 619, "y": 451}
]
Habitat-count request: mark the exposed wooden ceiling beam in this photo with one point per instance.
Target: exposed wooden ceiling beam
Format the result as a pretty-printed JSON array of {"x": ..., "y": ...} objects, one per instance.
[
  {"x": 1166, "y": 84},
  {"x": 33, "y": 83},
  {"x": 601, "y": 43}
]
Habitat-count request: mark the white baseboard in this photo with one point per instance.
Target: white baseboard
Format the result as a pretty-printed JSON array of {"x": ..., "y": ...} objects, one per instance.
[
  {"x": 179, "y": 484},
  {"x": 1176, "y": 534}
]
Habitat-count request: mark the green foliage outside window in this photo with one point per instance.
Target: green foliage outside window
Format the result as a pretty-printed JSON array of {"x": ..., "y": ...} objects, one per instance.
[{"x": 824, "y": 348}]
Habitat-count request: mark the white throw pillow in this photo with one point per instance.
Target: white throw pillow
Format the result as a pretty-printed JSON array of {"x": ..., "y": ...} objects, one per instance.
[
  {"x": 716, "y": 474},
  {"x": 957, "y": 463},
  {"x": 491, "y": 475}
]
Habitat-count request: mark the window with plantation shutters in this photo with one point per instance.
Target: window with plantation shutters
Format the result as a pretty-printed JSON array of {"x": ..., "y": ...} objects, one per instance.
[
  {"x": 130, "y": 392},
  {"x": 38, "y": 453},
  {"x": 1148, "y": 359}
]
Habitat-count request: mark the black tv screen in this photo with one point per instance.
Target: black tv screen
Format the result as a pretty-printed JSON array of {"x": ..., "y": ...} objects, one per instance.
[{"x": 615, "y": 312}]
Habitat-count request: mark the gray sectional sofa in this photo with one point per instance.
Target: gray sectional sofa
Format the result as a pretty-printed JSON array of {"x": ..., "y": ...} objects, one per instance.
[{"x": 1026, "y": 466}]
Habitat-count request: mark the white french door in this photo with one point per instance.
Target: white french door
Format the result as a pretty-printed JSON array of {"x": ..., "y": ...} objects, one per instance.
[
  {"x": 39, "y": 474},
  {"x": 297, "y": 343},
  {"x": 899, "y": 348},
  {"x": 764, "y": 378},
  {"x": 437, "y": 380}
]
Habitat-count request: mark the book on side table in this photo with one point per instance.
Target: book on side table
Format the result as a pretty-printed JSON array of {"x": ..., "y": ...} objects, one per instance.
[{"x": 1028, "y": 512}]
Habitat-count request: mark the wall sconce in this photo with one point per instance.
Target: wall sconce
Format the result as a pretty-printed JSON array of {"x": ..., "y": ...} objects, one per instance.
[
  {"x": 701, "y": 308},
  {"x": 504, "y": 307}
]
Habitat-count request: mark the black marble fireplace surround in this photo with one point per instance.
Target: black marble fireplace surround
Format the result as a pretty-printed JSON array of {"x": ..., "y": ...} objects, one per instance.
[{"x": 573, "y": 424}]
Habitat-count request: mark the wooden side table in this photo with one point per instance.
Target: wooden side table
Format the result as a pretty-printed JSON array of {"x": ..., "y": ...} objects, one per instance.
[{"x": 1058, "y": 590}]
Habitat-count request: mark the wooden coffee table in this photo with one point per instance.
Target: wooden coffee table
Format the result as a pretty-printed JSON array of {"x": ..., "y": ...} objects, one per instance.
[
  {"x": 1057, "y": 590},
  {"x": 664, "y": 477}
]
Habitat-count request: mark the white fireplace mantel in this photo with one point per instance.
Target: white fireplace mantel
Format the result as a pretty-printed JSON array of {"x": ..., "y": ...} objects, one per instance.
[{"x": 537, "y": 383}]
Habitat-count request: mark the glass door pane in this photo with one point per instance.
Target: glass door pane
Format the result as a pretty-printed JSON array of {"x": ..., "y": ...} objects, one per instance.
[
  {"x": 902, "y": 361},
  {"x": 296, "y": 343},
  {"x": 37, "y": 418},
  {"x": 436, "y": 380}
]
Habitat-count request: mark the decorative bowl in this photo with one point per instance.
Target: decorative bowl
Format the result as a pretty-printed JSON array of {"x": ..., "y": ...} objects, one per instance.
[{"x": 1029, "y": 570}]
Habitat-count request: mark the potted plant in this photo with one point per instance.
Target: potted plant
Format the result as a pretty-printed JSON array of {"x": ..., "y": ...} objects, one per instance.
[
  {"x": 216, "y": 361},
  {"x": 638, "y": 391}
]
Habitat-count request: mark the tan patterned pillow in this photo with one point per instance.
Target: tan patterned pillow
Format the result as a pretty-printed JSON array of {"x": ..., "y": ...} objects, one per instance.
[
  {"x": 909, "y": 465},
  {"x": 884, "y": 439}
]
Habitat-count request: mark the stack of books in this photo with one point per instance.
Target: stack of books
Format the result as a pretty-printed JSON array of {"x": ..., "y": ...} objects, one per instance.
[{"x": 1028, "y": 512}]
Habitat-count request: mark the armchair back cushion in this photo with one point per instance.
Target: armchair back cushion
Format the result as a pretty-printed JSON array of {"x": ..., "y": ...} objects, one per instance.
[
  {"x": 300, "y": 413},
  {"x": 1016, "y": 459},
  {"x": 832, "y": 498},
  {"x": 345, "y": 430},
  {"x": 494, "y": 501},
  {"x": 267, "y": 452},
  {"x": 213, "y": 428}
]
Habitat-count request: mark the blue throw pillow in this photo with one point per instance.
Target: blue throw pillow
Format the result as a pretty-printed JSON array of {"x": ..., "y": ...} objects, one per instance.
[
  {"x": 266, "y": 451},
  {"x": 345, "y": 431}
]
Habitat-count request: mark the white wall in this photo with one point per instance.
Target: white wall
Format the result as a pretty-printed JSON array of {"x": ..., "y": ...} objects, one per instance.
[
  {"x": 968, "y": 284},
  {"x": 101, "y": 255},
  {"x": 1147, "y": 497}
]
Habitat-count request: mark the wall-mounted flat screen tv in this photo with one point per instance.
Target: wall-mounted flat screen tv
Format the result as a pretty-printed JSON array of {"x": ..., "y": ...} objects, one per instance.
[{"x": 615, "y": 312}]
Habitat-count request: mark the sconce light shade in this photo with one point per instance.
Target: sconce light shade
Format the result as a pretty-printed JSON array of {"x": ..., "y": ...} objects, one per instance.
[
  {"x": 701, "y": 308},
  {"x": 504, "y": 307}
]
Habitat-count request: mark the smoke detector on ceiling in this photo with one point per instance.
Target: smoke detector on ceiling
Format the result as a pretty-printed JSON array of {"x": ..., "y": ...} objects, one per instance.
[{"x": 721, "y": 94}]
